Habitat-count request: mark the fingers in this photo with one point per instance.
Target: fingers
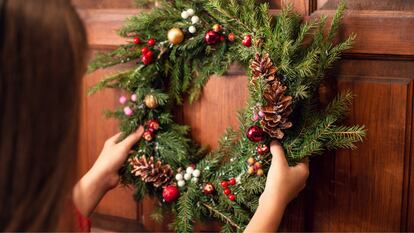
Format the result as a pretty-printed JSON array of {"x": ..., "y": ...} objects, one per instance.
[
  {"x": 112, "y": 140},
  {"x": 133, "y": 138},
  {"x": 278, "y": 153}
]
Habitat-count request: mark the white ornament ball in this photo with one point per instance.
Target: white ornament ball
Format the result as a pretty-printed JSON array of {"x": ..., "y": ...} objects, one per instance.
[
  {"x": 194, "y": 179},
  {"x": 184, "y": 15},
  {"x": 187, "y": 176},
  {"x": 190, "y": 12},
  {"x": 179, "y": 177},
  {"x": 189, "y": 170},
  {"x": 195, "y": 19},
  {"x": 181, "y": 183},
  {"x": 192, "y": 29},
  {"x": 196, "y": 173}
]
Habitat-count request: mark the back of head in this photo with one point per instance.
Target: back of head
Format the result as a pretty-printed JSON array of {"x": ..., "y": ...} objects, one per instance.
[{"x": 42, "y": 59}]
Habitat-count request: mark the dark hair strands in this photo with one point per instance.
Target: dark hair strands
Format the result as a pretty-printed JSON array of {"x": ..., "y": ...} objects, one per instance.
[{"x": 42, "y": 59}]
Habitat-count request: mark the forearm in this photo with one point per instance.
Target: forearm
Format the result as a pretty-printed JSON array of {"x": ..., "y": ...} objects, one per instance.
[
  {"x": 268, "y": 214},
  {"x": 88, "y": 192}
]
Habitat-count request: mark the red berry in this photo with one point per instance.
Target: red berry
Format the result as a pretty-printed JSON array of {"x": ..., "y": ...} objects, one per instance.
[
  {"x": 227, "y": 192},
  {"x": 232, "y": 181},
  {"x": 148, "y": 58},
  {"x": 137, "y": 40},
  {"x": 144, "y": 50},
  {"x": 222, "y": 38},
  {"x": 232, "y": 197},
  {"x": 231, "y": 37},
  {"x": 247, "y": 41},
  {"x": 224, "y": 184},
  {"x": 151, "y": 42}
]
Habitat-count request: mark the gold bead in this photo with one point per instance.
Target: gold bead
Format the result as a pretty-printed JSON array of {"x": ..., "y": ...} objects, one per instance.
[
  {"x": 175, "y": 36},
  {"x": 217, "y": 27},
  {"x": 150, "y": 101}
]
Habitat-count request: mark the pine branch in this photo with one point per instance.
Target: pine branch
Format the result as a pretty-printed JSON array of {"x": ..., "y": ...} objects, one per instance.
[{"x": 221, "y": 215}]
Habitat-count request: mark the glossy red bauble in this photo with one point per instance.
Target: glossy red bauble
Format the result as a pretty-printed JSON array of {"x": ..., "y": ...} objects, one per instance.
[
  {"x": 153, "y": 125},
  {"x": 170, "y": 193},
  {"x": 232, "y": 197},
  {"x": 262, "y": 149},
  {"x": 227, "y": 192},
  {"x": 255, "y": 134},
  {"x": 144, "y": 50},
  {"x": 137, "y": 40},
  {"x": 211, "y": 37},
  {"x": 232, "y": 181},
  {"x": 209, "y": 188},
  {"x": 148, "y": 135},
  {"x": 224, "y": 184},
  {"x": 151, "y": 42},
  {"x": 247, "y": 41}
]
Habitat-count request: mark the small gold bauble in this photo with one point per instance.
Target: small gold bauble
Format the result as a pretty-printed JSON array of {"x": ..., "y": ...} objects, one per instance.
[
  {"x": 150, "y": 101},
  {"x": 175, "y": 36},
  {"x": 217, "y": 27}
]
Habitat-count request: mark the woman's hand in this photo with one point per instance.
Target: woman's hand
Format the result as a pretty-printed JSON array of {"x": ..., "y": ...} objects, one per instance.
[
  {"x": 103, "y": 176},
  {"x": 282, "y": 185}
]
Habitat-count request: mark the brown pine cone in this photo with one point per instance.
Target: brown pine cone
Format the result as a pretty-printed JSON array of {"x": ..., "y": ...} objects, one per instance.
[
  {"x": 152, "y": 171},
  {"x": 262, "y": 67},
  {"x": 277, "y": 110}
]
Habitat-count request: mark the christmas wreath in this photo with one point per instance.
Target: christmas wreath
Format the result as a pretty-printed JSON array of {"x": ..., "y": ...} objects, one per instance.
[{"x": 177, "y": 46}]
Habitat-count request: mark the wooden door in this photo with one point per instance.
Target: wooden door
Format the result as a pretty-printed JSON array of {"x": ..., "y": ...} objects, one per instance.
[{"x": 369, "y": 189}]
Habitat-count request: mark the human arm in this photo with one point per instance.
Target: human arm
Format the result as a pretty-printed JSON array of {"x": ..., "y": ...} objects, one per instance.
[
  {"x": 282, "y": 185},
  {"x": 103, "y": 176}
]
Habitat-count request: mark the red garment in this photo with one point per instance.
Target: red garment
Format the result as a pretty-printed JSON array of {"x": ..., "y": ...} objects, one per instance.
[{"x": 84, "y": 223}]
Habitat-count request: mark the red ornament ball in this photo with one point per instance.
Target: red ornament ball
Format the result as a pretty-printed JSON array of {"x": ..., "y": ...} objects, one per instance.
[
  {"x": 170, "y": 193},
  {"x": 224, "y": 184},
  {"x": 227, "y": 192},
  {"x": 211, "y": 37},
  {"x": 148, "y": 58},
  {"x": 232, "y": 197},
  {"x": 262, "y": 149},
  {"x": 153, "y": 125},
  {"x": 247, "y": 41},
  {"x": 209, "y": 188},
  {"x": 144, "y": 50},
  {"x": 231, "y": 37},
  {"x": 232, "y": 181},
  {"x": 137, "y": 40},
  {"x": 151, "y": 42},
  {"x": 148, "y": 135},
  {"x": 256, "y": 134}
]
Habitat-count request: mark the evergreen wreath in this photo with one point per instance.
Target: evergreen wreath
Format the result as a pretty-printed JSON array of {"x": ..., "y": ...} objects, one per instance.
[{"x": 178, "y": 46}]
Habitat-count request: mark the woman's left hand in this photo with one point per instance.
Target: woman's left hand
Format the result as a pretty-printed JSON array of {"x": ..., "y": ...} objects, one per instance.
[{"x": 103, "y": 176}]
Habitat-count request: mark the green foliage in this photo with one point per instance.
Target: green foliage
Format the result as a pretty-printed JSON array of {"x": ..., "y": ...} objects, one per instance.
[{"x": 302, "y": 52}]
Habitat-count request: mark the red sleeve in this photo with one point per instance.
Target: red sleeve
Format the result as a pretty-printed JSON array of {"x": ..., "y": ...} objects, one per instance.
[{"x": 84, "y": 223}]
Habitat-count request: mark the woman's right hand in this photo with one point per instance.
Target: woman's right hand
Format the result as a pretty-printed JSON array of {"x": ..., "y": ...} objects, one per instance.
[{"x": 284, "y": 182}]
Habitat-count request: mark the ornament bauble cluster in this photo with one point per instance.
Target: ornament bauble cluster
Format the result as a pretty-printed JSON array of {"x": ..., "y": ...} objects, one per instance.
[
  {"x": 185, "y": 176},
  {"x": 254, "y": 167},
  {"x": 151, "y": 127},
  {"x": 190, "y": 14},
  {"x": 151, "y": 171}
]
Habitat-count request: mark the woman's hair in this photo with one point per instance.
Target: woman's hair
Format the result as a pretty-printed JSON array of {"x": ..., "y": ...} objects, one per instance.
[{"x": 42, "y": 59}]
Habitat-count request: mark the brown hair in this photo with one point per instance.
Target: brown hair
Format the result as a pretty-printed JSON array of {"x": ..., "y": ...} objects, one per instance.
[{"x": 42, "y": 59}]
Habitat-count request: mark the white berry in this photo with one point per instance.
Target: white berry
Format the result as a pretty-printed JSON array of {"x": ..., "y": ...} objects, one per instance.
[
  {"x": 187, "y": 176},
  {"x": 181, "y": 183},
  {"x": 192, "y": 29},
  {"x": 189, "y": 170},
  {"x": 184, "y": 15},
  {"x": 194, "y": 179},
  {"x": 195, "y": 19},
  {"x": 179, "y": 177},
  {"x": 196, "y": 173},
  {"x": 190, "y": 12}
]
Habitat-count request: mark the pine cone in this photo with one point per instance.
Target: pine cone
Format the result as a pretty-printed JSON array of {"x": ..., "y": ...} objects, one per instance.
[
  {"x": 277, "y": 110},
  {"x": 152, "y": 171},
  {"x": 263, "y": 67}
]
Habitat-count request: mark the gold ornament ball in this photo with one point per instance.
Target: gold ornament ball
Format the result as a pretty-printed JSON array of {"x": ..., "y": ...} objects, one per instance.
[
  {"x": 260, "y": 172},
  {"x": 150, "y": 101},
  {"x": 175, "y": 36},
  {"x": 217, "y": 27}
]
